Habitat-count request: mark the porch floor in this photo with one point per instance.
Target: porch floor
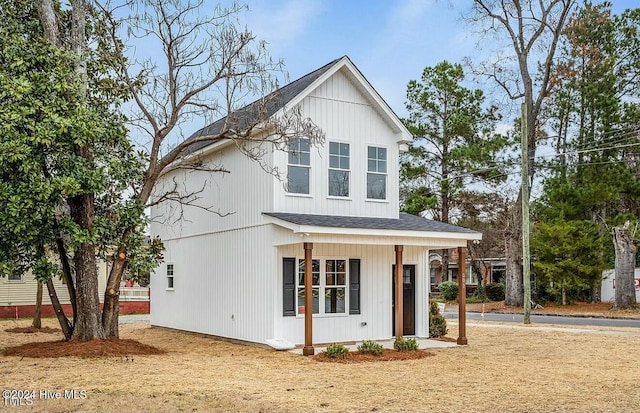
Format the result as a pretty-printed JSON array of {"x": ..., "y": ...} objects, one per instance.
[{"x": 423, "y": 343}]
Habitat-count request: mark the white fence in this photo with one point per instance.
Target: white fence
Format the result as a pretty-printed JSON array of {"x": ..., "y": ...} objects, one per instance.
[
  {"x": 609, "y": 285},
  {"x": 134, "y": 293}
]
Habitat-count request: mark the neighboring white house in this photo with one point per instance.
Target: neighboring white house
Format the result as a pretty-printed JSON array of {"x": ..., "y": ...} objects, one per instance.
[
  {"x": 241, "y": 276},
  {"x": 18, "y": 295},
  {"x": 608, "y": 292}
]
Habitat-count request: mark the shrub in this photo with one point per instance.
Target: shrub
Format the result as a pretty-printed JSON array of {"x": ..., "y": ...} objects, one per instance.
[
  {"x": 449, "y": 290},
  {"x": 437, "y": 323},
  {"x": 495, "y": 291},
  {"x": 371, "y": 347},
  {"x": 405, "y": 344},
  {"x": 479, "y": 294},
  {"x": 336, "y": 351}
]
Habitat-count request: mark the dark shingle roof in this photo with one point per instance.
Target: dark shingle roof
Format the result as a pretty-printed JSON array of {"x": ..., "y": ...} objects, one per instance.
[
  {"x": 406, "y": 222},
  {"x": 246, "y": 115}
]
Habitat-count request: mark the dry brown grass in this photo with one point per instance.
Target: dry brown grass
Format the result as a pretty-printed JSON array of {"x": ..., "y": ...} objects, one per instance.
[{"x": 500, "y": 370}]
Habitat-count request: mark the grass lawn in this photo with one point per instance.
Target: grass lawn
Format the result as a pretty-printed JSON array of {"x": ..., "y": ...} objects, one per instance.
[{"x": 502, "y": 369}]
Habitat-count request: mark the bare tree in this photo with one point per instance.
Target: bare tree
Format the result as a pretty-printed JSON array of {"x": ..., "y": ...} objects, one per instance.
[
  {"x": 625, "y": 267},
  {"x": 207, "y": 69},
  {"x": 533, "y": 30}
]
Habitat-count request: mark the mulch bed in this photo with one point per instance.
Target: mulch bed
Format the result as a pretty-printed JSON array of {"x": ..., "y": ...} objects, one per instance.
[
  {"x": 388, "y": 355},
  {"x": 84, "y": 349},
  {"x": 32, "y": 329}
]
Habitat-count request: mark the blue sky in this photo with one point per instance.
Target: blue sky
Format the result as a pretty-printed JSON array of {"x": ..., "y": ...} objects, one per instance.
[{"x": 391, "y": 42}]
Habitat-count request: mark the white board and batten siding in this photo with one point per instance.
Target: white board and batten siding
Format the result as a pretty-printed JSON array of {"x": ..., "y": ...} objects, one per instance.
[
  {"x": 223, "y": 284},
  {"x": 375, "y": 319},
  {"x": 234, "y": 200},
  {"x": 345, "y": 116}
]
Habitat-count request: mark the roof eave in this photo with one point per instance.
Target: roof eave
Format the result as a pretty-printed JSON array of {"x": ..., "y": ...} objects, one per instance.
[{"x": 319, "y": 230}]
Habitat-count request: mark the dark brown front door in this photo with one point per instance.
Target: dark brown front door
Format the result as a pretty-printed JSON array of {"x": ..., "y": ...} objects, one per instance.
[{"x": 408, "y": 300}]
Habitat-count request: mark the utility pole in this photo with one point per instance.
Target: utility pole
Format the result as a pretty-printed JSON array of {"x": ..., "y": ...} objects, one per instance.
[{"x": 526, "y": 256}]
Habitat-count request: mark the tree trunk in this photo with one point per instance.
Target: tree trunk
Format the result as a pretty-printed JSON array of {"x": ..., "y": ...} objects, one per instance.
[
  {"x": 564, "y": 296},
  {"x": 625, "y": 267},
  {"x": 67, "y": 276},
  {"x": 111, "y": 308},
  {"x": 67, "y": 331},
  {"x": 445, "y": 265},
  {"x": 49, "y": 21},
  {"x": 514, "y": 293},
  {"x": 88, "y": 325},
  {"x": 37, "y": 317}
]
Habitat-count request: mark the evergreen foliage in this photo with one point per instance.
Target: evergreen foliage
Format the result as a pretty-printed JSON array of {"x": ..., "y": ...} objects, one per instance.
[
  {"x": 371, "y": 347},
  {"x": 437, "y": 322},
  {"x": 336, "y": 351},
  {"x": 449, "y": 290}
]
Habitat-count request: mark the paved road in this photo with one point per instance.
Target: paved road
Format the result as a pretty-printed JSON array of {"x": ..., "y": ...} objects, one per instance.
[{"x": 547, "y": 319}]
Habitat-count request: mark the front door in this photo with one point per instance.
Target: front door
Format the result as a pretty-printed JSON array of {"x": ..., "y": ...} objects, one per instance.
[{"x": 408, "y": 300}]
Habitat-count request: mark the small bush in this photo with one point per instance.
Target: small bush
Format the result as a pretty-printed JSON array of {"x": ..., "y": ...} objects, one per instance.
[
  {"x": 495, "y": 291},
  {"x": 449, "y": 290},
  {"x": 479, "y": 294},
  {"x": 405, "y": 344},
  {"x": 437, "y": 323},
  {"x": 336, "y": 351},
  {"x": 371, "y": 347}
]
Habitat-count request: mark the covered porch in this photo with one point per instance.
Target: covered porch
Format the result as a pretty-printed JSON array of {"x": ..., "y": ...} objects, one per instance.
[{"x": 340, "y": 273}]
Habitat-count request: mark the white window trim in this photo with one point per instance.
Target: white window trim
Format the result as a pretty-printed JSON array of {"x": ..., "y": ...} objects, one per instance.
[
  {"x": 173, "y": 276},
  {"x": 322, "y": 287},
  {"x": 367, "y": 172},
  {"x": 299, "y": 194},
  {"x": 329, "y": 168},
  {"x": 21, "y": 280}
]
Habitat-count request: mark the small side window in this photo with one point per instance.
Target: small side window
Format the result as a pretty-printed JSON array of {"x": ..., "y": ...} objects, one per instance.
[
  {"x": 14, "y": 277},
  {"x": 170, "y": 283}
]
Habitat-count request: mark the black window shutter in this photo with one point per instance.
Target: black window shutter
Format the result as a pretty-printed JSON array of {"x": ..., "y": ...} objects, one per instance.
[
  {"x": 354, "y": 286},
  {"x": 288, "y": 287}
]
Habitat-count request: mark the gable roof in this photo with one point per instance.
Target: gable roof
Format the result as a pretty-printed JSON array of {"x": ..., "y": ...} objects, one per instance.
[
  {"x": 405, "y": 222},
  {"x": 292, "y": 94}
]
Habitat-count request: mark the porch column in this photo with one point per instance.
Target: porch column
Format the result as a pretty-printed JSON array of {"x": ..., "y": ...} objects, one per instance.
[
  {"x": 308, "y": 303},
  {"x": 399, "y": 291},
  {"x": 462, "y": 296}
]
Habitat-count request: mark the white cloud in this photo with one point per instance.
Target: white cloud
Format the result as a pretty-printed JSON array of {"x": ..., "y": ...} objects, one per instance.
[{"x": 281, "y": 23}]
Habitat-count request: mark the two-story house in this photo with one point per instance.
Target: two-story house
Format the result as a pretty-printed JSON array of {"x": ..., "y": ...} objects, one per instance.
[{"x": 242, "y": 276}]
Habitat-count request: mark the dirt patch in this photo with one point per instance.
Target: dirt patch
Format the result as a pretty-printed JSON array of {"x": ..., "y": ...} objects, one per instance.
[
  {"x": 388, "y": 355},
  {"x": 32, "y": 329},
  {"x": 445, "y": 339},
  {"x": 84, "y": 349}
]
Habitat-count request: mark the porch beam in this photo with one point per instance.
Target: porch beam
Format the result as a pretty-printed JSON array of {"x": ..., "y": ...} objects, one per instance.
[
  {"x": 462, "y": 296},
  {"x": 308, "y": 349},
  {"x": 399, "y": 292}
]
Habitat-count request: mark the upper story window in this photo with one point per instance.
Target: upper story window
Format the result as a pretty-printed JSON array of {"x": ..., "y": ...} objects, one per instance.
[
  {"x": 299, "y": 165},
  {"x": 338, "y": 169},
  {"x": 376, "y": 173}
]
